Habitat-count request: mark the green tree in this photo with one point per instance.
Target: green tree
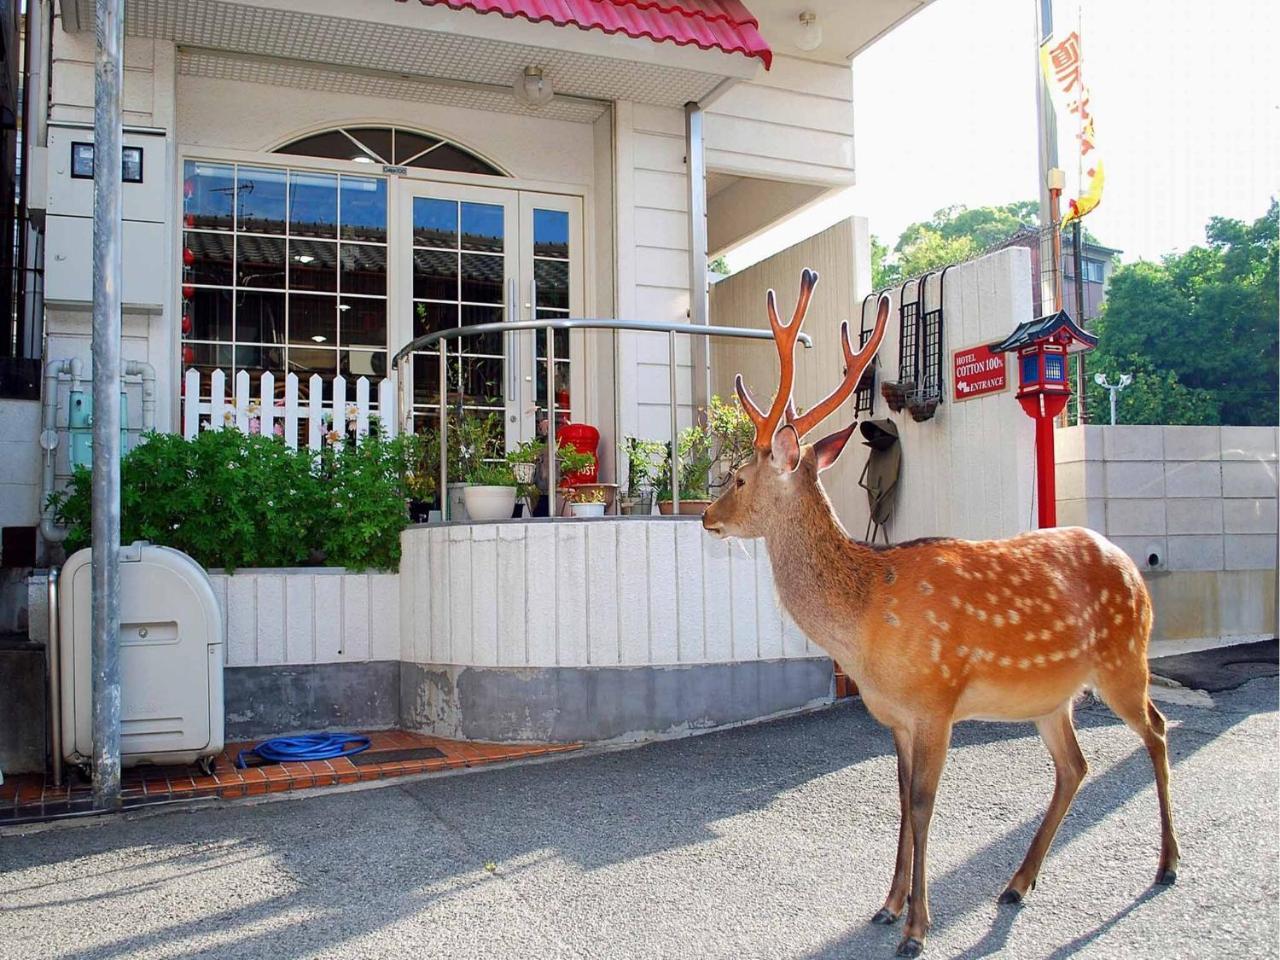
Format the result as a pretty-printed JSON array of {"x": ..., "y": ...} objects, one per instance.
[{"x": 1203, "y": 324}]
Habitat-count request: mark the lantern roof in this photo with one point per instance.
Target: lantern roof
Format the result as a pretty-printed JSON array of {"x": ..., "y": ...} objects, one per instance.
[{"x": 1054, "y": 326}]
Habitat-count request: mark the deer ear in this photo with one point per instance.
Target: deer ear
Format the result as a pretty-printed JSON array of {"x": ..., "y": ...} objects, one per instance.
[
  {"x": 786, "y": 447},
  {"x": 827, "y": 450}
]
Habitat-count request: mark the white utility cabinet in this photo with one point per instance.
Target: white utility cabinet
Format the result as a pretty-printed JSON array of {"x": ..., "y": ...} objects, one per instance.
[{"x": 171, "y": 654}]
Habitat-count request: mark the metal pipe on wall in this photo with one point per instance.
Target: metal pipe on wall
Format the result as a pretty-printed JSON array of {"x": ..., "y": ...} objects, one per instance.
[
  {"x": 696, "y": 186},
  {"x": 53, "y": 670},
  {"x": 107, "y": 281}
]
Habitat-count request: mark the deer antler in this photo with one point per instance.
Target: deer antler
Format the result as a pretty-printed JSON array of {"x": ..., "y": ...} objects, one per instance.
[
  {"x": 785, "y": 338},
  {"x": 854, "y": 364}
]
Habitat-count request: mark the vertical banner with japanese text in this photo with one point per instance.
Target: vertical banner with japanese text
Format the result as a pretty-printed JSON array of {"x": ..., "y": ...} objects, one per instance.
[{"x": 1061, "y": 59}]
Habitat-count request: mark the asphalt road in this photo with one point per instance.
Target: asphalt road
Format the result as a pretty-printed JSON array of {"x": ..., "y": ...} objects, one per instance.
[{"x": 771, "y": 841}]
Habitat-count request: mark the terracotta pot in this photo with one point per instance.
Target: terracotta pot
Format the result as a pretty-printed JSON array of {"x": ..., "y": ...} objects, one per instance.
[{"x": 688, "y": 508}]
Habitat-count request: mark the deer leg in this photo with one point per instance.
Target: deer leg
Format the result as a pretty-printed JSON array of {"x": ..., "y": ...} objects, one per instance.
[
  {"x": 1059, "y": 736},
  {"x": 928, "y": 755},
  {"x": 901, "y": 884},
  {"x": 1126, "y": 694}
]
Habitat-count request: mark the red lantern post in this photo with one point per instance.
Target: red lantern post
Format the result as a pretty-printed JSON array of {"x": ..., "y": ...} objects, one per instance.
[{"x": 1042, "y": 347}]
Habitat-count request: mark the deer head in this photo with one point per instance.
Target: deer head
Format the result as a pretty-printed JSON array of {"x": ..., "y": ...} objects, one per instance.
[{"x": 784, "y": 473}]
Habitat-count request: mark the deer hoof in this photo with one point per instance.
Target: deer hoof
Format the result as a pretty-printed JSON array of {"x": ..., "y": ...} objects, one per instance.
[
  {"x": 884, "y": 916},
  {"x": 1010, "y": 896},
  {"x": 910, "y": 947},
  {"x": 1166, "y": 876}
]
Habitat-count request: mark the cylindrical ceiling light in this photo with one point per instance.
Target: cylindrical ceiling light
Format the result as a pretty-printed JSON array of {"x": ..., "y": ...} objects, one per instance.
[
  {"x": 809, "y": 36},
  {"x": 533, "y": 88}
]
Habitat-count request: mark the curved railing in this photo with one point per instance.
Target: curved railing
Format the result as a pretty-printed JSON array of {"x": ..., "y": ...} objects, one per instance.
[{"x": 440, "y": 338}]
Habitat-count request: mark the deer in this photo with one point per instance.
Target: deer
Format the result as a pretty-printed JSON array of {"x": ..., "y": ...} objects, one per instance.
[{"x": 940, "y": 630}]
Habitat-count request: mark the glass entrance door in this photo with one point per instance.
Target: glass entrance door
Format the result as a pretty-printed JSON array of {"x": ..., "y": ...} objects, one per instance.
[
  {"x": 478, "y": 255},
  {"x": 462, "y": 271}
]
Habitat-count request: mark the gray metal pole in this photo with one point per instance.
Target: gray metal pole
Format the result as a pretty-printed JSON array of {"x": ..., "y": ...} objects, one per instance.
[
  {"x": 1113, "y": 391},
  {"x": 443, "y": 366},
  {"x": 1047, "y": 147},
  {"x": 107, "y": 279},
  {"x": 696, "y": 187},
  {"x": 552, "y": 448},
  {"x": 1077, "y": 256},
  {"x": 675, "y": 424}
]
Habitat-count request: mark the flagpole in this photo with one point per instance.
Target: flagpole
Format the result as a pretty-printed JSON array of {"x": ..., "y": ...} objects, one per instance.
[{"x": 1047, "y": 132}]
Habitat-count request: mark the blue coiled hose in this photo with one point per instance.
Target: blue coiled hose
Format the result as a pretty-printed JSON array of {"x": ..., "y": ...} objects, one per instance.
[{"x": 306, "y": 746}]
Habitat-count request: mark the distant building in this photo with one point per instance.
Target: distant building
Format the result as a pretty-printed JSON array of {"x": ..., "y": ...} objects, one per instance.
[{"x": 1098, "y": 262}]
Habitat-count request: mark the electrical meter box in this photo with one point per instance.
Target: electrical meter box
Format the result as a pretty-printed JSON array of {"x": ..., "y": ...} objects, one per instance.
[
  {"x": 80, "y": 426},
  {"x": 68, "y": 206},
  {"x": 171, "y": 650}
]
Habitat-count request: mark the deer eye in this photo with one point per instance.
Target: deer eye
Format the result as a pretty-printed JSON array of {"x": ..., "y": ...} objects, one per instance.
[{"x": 741, "y": 481}]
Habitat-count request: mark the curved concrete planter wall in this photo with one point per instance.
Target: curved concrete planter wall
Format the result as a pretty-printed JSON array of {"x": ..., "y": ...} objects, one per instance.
[{"x": 593, "y": 630}]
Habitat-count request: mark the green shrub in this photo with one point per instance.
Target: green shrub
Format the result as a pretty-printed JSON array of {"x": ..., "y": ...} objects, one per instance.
[{"x": 232, "y": 500}]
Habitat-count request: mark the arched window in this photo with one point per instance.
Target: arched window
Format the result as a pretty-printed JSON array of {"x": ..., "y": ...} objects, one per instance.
[{"x": 390, "y": 145}]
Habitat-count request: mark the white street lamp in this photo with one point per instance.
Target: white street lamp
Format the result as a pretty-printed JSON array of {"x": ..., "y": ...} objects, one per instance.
[{"x": 1113, "y": 389}]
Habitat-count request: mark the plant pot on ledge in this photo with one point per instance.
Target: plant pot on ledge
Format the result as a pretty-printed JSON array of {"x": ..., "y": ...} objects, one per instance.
[
  {"x": 895, "y": 393},
  {"x": 486, "y": 503},
  {"x": 688, "y": 508}
]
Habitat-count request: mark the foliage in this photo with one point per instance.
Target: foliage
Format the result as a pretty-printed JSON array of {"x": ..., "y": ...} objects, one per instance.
[
  {"x": 575, "y": 461},
  {"x": 363, "y": 502},
  {"x": 733, "y": 433},
  {"x": 473, "y": 438},
  {"x": 1197, "y": 330},
  {"x": 233, "y": 500},
  {"x": 587, "y": 494},
  {"x": 719, "y": 265},
  {"x": 527, "y": 452},
  {"x": 492, "y": 475},
  {"x": 644, "y": 460},
  {"x": 1154, "y": 396},
  {"x": 422, "y": 465}
]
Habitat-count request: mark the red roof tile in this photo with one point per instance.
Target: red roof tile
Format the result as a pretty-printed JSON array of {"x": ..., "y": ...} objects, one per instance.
[{"x": 708, "y": 24}]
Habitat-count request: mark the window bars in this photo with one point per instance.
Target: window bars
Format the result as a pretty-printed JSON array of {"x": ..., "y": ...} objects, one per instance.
[
  {"x": 919, "y": 387},
  {"x": 864, "y": 396}
]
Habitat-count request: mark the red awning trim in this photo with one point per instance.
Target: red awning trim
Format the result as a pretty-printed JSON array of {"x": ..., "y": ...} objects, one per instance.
[{"x": 724, "y": 25}]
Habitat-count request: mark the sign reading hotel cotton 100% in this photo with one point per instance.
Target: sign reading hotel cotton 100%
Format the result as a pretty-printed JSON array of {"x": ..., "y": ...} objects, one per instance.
[{"x": 976, "y": 372}]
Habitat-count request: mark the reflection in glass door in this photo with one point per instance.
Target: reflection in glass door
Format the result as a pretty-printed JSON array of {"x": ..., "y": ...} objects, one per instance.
[
  {"x": 462, "y": 256},
  {"x": 551, "y": 265}
]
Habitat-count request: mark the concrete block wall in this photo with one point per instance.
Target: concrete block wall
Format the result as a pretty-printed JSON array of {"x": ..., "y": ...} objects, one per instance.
[
  {"x": 1196, "y": 498},
  {"x": 1196, "y": 509}
]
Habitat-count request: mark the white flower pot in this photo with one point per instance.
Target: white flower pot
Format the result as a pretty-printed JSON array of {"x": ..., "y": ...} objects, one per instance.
[
  {"x": 457, "y": 504},
  {"x": 489, "y": 503},
  {"x": 587, "y": 509}
]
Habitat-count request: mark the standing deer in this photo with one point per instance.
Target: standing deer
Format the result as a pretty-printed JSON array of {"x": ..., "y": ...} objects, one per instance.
[{"x": 940, "y": 630}]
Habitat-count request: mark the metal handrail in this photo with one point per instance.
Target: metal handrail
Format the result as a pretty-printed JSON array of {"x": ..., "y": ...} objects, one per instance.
[{"x": 439, "y": 338}]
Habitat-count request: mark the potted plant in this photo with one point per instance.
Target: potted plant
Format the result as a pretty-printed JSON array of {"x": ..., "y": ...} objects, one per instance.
[
  {"x": 490, "y": 493},
  {"x": 709, "y": 455},
  {"x": 524, "y": 460},
  {"x": 587, "y": 502},
  {"x": 422, "y": 461},
  {"x": 644, "y": 459},
  {"x": 573, "y": 461},
  {"x": 473, "y": 440}
]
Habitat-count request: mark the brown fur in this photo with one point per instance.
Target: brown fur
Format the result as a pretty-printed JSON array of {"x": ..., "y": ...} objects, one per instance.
[{"x": 939, "y": 630}]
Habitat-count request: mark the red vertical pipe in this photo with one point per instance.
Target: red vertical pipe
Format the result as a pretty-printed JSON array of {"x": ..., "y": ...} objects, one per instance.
[{"x": 1046, "y": 488}]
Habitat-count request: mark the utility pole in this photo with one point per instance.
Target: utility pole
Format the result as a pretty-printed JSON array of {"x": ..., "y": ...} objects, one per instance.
[
  {"x": 1112, "y": 388},
  {"x": 1077, "y": 256},
  {"x": 105, "y": 495}
]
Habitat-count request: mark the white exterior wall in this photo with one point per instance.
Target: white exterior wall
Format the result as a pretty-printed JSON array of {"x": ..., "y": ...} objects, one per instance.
[
  {"x": 320, "y": 615},
  {"x": 588, "y": 594},
  {"x": 653, "y": 264},
  {"x": 791, "y": 123}
]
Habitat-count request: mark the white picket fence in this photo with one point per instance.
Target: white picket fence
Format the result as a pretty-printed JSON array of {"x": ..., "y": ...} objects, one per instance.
[{"x": 326, "y": 420}]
